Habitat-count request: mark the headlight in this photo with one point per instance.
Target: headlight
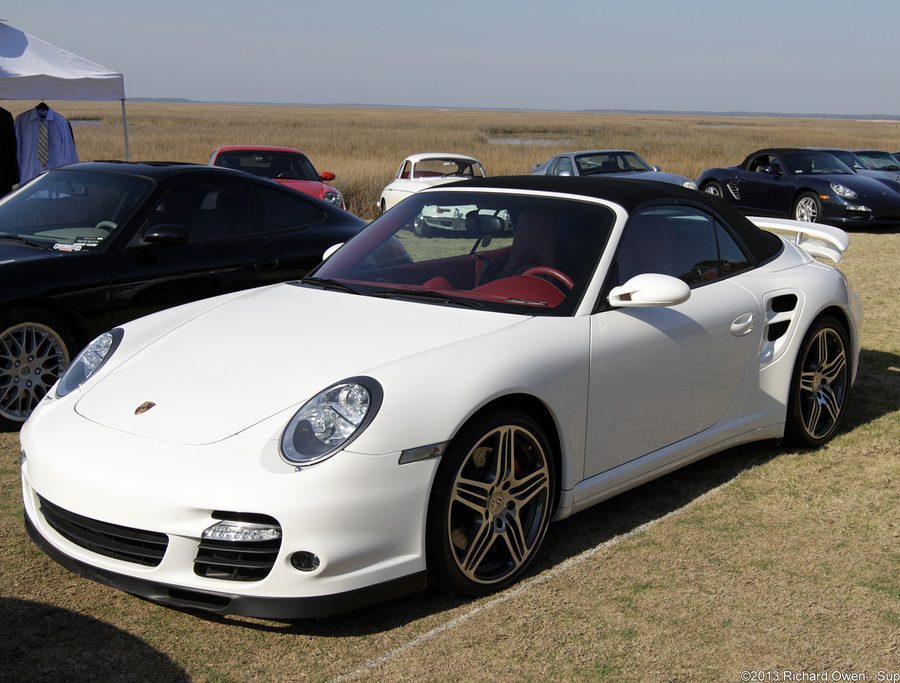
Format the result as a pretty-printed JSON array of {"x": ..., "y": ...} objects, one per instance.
[
  {"x": 843, "y": 191},
  {"x": 331, "y": 420},
  {"x": 91, "y": 359},
  {"x": 334, "y": 197},
  {"x": 689, "y": 184}
]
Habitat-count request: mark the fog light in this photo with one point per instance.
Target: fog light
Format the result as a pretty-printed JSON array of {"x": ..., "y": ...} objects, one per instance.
[
  {"x": 241, "y": 532},
  {"x": 860, "y": 207},
  {"x": 305, "y": 561}
]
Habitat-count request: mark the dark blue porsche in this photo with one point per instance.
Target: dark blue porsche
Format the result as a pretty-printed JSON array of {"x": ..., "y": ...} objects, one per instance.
[{"x": 804, "y": 184}]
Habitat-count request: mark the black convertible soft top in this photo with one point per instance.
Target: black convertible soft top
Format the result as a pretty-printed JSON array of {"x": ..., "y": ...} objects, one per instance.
[{"x": 631, "y": 194}]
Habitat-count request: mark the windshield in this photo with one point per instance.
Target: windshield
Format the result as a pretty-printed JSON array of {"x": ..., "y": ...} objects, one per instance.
[
  {"x": 448, "y": 168},
  {"x": 880, "y": 161},
  {"x": 814, "y": 163},
  {"x": 72, "y": 210},
  {"x": 610, "y": 162},
  {"x": 502, "y": 252},
  {"x": 277, "y": 165},
  {"x": 850, "y": 159}
]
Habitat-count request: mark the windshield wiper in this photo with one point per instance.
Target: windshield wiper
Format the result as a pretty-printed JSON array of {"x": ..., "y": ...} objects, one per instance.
[
  {"x": 328, "y": 283},
  {"x": 22, "y": 240},
  {"x": 425, "y": 295}
]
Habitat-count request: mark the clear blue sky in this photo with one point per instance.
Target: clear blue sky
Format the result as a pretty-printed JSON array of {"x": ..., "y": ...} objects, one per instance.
[{"x": 792, "y": 56}]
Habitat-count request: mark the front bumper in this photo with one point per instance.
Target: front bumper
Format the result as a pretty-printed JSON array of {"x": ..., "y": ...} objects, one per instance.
[
  {"x": 362, "y": 516},
  {"x": 876, "y": 217}
]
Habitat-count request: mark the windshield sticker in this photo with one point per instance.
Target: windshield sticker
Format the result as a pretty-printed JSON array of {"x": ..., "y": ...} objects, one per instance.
[{"x": 67, "y": 247}]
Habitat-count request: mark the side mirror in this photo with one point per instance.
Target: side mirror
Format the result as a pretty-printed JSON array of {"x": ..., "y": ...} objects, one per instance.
[
  {"x": 483, "y": 224},
  {"x": 650, "y": 290},
  {"x": 770, "y": 169},
  {"x": 656, "y": 168},
  {"x": 327, "y": 176},
  {"x": 333, "y": 248},
  {"x": 166, "y": 234},
  {"x": 564, "y": 173}
]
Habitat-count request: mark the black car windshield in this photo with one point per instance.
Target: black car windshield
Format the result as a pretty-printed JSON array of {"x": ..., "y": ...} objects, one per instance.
[
  {"x": 849, "y": 158},
  {"x": 70, "y": 210},
  {"x": 487, "y": 250},
  {"x": 265, "y": 164},
  {"x": 880, "y": 161},
  {"x": 610, "y": 162},
  {"x": 814, "y": 163}
]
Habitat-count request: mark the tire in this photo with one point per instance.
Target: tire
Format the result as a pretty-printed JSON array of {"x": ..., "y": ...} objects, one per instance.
[
  {"x": 807, "y": 208},
  {"x": 421, "y": 228},
  {"x": 383, "y": 206},
  {"x": 714, "y": 189},
  {"x": 35, "y": 349},
  {"x": 819, "y": 385},
  {"x": 490, "y": 506}
]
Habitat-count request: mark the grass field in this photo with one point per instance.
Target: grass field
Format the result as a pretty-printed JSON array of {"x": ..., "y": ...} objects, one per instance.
[{"x": 761, "y": 558}]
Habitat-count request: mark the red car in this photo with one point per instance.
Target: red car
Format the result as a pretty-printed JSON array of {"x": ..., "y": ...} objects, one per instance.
[{"x": 284, "y": 165}]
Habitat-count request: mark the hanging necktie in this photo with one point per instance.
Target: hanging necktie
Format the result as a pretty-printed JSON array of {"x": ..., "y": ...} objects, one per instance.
[{"x": 43, "y": 145}]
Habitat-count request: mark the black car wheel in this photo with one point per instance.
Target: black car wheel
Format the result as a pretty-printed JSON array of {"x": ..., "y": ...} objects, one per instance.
[
  {"x": 491, "y": 504},
  {"x": 808, "y": 208},
  {"x": 35, "y": 350},
  {"x": 383, "y": 206},
  {"x": 714, "y": 189},
  {"x": 819, "y": 384}
]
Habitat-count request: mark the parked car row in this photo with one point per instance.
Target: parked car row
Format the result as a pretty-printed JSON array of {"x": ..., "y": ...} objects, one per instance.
[{"x": 831, "y": 186}]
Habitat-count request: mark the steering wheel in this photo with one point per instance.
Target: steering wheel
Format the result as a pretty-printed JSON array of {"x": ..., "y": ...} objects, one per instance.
[
  {"x": 109, "y": 226},
  {"x": 558, "y": 275}
]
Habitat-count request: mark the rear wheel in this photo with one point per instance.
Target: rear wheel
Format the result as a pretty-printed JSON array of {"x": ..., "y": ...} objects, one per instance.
[
  {"x": 491, "y": 504},
  {"x": 35, "y": 349},
  {"x": 808, "y": 208},
  {"x": 820, "y": 384}
]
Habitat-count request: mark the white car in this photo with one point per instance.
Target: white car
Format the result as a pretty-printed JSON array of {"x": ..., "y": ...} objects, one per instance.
[
  {"x": 427, "y": 407},
  {"x": 421, "y": 171}
]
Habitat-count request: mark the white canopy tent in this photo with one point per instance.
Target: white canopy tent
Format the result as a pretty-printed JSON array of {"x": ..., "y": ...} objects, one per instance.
[{"x": 33, "y": 69}]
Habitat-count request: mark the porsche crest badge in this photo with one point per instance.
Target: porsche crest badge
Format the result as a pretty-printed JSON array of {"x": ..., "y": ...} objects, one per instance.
[{"x": 144, "y": 407}]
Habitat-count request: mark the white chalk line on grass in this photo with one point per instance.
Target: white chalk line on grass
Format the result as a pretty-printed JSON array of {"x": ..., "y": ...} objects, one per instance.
[{"x": 517, "y": 590}]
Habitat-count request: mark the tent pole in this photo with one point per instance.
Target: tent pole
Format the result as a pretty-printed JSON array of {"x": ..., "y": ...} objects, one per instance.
[{"x": 125, "y": 130}]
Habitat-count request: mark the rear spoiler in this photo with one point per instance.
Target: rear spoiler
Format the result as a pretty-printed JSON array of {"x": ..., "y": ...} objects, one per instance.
[{"x": 815, "y": 239}]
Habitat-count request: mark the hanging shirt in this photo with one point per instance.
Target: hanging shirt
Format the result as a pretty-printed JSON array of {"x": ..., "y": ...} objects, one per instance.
[{"x": 59, "y": 138}]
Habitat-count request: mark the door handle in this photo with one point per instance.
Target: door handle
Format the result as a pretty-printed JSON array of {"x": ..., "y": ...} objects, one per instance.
[{"x": 742, "y": 325}]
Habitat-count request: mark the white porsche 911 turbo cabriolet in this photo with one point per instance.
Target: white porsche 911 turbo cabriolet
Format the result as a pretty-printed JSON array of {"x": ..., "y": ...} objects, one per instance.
[{"x": 422, "y": 409}]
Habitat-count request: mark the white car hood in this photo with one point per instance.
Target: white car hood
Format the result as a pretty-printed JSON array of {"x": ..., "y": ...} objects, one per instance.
[{"x": 264, "y": 352}]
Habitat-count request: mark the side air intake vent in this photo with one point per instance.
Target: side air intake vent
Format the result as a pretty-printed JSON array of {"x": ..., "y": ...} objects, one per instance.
[{"x": 784, "y": 303}]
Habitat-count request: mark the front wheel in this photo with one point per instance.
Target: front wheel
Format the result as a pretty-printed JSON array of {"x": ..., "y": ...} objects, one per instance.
[
  {"x": 820, "y": 384},
  {"x": 808, "y": 208},
  {"x": 714, "y": 189},
  {"x": 491, "y": 504},
  {"x": 35, "y": 349}
]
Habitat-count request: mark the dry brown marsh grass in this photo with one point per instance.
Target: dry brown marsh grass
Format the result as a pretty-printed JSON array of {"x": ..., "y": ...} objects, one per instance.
[{"x": 364, "y": 147}]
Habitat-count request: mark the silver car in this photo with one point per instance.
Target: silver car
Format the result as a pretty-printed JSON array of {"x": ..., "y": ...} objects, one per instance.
[{"x": 609, "y": 162}]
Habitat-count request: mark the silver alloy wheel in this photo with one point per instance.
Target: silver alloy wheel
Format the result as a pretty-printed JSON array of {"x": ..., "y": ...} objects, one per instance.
[
  {"x": 499, "y": 504},
  {"x": 806, "y": 210},
  {"x": 823, "y": 383},
  {"x": 32, "y": 358},
  {"x": 713, "y": 189}
]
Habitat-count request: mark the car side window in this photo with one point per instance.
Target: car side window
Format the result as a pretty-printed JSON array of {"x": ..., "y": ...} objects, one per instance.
[
  {"x": 209, "y": 210},
  {"x": 284, "y": 211},
  {"x": 684, "y": 242},
  {"x": 404, "y": 170},
  {"x": 553, "y": 165},
  {"x": 565, "y": 167}
]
